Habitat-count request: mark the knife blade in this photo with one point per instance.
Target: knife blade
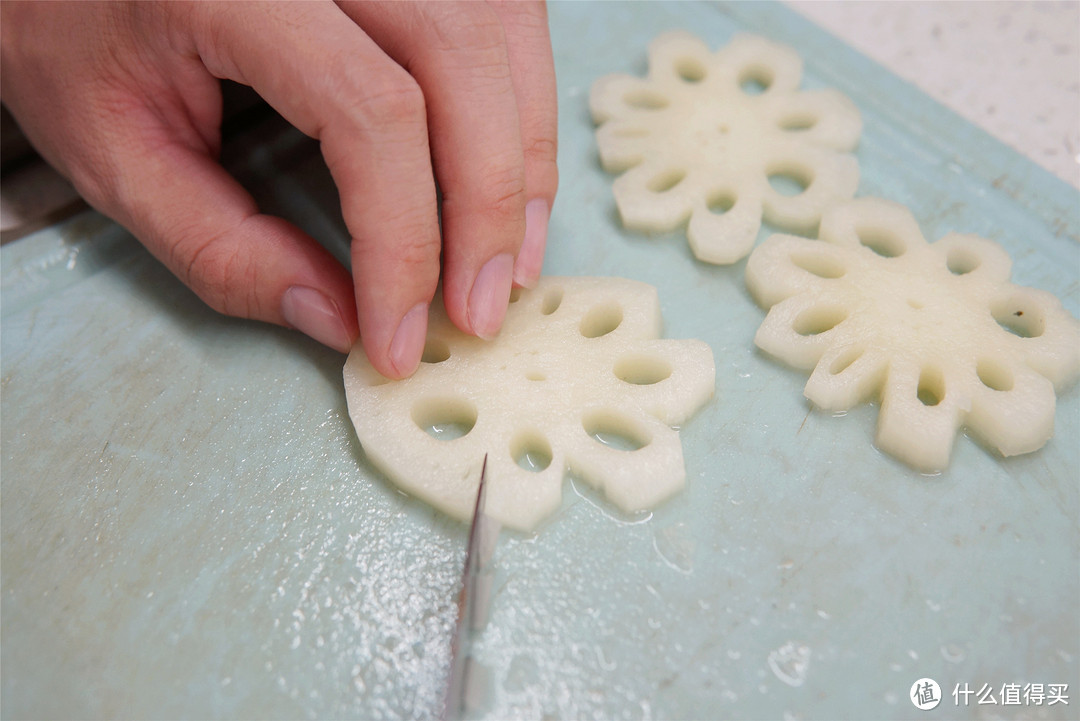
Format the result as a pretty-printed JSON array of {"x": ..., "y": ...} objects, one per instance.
[{"x": 472, "y": 605}]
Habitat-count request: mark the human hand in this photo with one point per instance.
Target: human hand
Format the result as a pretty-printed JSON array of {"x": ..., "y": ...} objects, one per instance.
[{"x": 124, "y": 100}]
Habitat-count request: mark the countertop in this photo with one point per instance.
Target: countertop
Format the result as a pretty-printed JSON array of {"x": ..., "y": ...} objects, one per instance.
[{"x": 1012, "y": 68}]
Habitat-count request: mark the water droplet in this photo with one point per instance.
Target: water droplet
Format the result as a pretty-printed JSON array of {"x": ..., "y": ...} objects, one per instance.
[
  {"x": 675, "y": 547},
  {"x": 952, "y": 653},
  {"x": 891, "y": 698},
  {"x": 522, "y": 672},
  {"x": 933, "y": 605},
  {"x": 734, "y": 655},
  {"x": 603, "y": 660},
  {"x": 790, "y": 662}
]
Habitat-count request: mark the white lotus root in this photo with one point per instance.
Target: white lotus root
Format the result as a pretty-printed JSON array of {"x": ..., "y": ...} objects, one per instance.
[
  {"x": 695, "y": 144},
  {"x": 937, "y": 330},
  {"x": 578, "y": 360}
]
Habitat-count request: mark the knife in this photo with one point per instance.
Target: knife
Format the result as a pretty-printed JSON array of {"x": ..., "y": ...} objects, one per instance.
[{"x": 466, "y": 678}]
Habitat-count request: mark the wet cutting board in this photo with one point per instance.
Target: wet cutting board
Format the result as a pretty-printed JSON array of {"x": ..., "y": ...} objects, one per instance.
[{"x": 190, "y": 529}]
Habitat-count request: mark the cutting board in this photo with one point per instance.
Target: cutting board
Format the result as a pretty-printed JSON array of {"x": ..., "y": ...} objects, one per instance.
[{"x": 190, "y": 529}]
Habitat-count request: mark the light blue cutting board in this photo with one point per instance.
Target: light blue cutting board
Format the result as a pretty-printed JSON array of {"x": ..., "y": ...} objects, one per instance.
[{"x": 191, "y": 530}]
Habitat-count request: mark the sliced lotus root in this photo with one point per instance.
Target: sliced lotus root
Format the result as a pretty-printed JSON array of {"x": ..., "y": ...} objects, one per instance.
[
  {"x": 702, "y": 136},
  {"x": 936, "y": 330},
  {"x": 578, "y": 379}
]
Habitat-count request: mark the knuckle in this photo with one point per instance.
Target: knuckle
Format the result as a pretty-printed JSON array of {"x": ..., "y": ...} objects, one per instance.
[
  {"x": 390, "y": 101},
  {"x": 525, "y": 18},
  {"x": 471, "y": 44},
  {"x": 541, "y": 149},
  {"x": 415, "y": 243},
  {"x": 502, "y": 190},
  {"x": 401, "y": 101},
  {"x": 478, "y": 30},
  {"x": 540, "y": 155},
  {"x": 220, "y": 274}
]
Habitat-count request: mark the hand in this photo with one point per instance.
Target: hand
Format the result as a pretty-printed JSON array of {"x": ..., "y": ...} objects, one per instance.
[{"x": 124, "y": 99}]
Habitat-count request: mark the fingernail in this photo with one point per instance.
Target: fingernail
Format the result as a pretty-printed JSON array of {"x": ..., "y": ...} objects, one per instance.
[
  {"x": 312, "y": 313},
  {"x": 490, "y": 295},
  {"x": 408, "y": 344},
  {"x": 530, "y": 258}
]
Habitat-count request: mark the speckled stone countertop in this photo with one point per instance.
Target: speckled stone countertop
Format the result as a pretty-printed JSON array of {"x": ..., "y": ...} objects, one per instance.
[{"x": 1012, "y": 68}]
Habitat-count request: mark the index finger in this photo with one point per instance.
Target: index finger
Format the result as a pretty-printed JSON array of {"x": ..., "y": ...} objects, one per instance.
[
  {"x": 329, "y": 79},
  {"x": 532, "y": 71}
]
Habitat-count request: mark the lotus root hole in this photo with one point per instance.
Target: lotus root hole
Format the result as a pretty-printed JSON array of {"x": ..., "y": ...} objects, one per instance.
[
  {"x": 436, "y": 350},
  {"x": 642, "y": 369},
  {"x": 444, "y": 418},
  {"x": 646, "y": 100},
  {"x": 531, "y": 451},
  {"x": 961, "y": 261},
  {"x": 721, "y": 201},
  {"x": 818, "y": 264},
  {"x": 931, "y": 390},
  {"x": 994, "y": 375},
  {"x": 845, "y": 360},
  {"x": 552, "y": 301},
  {"x": 755, "y": 79},
  {"x": 601, "y": 320},
  {"x": 690, "y": 69},
  {"x": 817, "y": 320},
  {"x": 790, "y": 181},
  {"x": 1020, "y": 321},
  {"x": 881, "y": 241},
  {"x": 798, "y": 122},
  {"x": 665, "y": 181},
  {"x": 615, "y": 431}
]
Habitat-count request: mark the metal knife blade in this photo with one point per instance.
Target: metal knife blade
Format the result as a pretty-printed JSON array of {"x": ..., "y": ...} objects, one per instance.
[{"x": 472, "y": 602}]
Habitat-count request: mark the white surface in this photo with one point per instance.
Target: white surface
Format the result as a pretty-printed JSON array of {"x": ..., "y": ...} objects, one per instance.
[{"x": 1012, "y": 68}]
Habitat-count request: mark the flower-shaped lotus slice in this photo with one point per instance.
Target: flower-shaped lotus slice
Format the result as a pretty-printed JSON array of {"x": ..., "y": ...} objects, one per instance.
[
  {"x": 694, "y": 144},
  {"x": 936, "y": 329},
  {"x": 577, "y": 379}
]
